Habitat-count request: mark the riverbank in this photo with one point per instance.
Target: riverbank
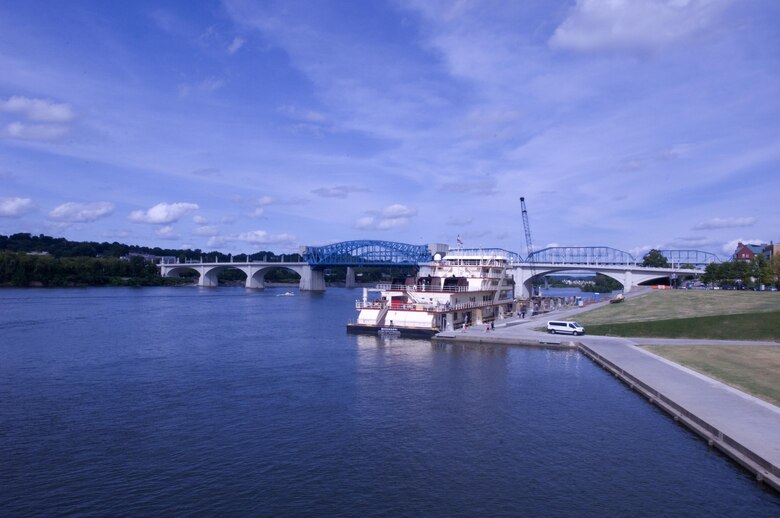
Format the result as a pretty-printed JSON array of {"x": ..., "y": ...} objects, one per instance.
[{"x": 744, "y": 427}]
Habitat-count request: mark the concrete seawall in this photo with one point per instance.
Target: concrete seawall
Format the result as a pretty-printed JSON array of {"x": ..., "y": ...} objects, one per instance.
[
  {"x": 489, "y": 339},
  {"x": 744, "y": 428}
]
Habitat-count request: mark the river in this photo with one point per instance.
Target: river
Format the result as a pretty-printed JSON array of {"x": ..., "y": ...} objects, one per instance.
[{"x": 184, "y": 401}]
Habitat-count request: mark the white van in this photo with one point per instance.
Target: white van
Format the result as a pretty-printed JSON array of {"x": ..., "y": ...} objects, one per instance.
[{"x": 560, "y": 326}]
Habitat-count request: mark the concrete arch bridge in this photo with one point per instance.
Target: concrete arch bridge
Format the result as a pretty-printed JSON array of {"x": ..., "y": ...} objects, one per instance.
[
  {"x": 255, "y": 272},
  {"x": 315, "y": 260},
  {"x": 614, "y": 263},
  {"x": 620, "y": 265}
]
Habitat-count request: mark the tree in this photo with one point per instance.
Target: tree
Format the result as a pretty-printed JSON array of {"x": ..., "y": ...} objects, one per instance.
[
  {"x": 655, "y": 259},
  {"x": 761, "y": 271}
]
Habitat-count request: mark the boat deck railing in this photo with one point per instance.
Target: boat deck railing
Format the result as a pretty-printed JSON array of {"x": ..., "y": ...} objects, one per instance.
[
  {"x": 437, "y": 308},
  {"x": 425, "y": 288}
]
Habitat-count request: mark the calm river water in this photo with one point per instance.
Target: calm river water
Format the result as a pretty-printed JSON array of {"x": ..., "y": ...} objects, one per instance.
[{"x": 183, "y": 401}]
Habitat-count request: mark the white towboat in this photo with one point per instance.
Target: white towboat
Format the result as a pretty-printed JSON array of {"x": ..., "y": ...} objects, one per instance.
[{"x": 465, "y": 287}]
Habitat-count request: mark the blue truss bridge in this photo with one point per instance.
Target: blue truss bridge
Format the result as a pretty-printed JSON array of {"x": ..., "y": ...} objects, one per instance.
[
  {"x": 615, "y": 263},
  {"x": 367, "y": 253}
]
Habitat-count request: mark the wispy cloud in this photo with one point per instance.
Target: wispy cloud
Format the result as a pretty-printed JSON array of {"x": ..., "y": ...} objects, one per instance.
[
  {"x": 208, "y": 85},
  {"x": 73, "y": 212},
  {"x": 206, "y": 230},
  {"x": 44, "y": 132},
  {"x": 258, "y": 237},
  {"x": 733, "y": 222},
  {"x": 39, "y": 110},
  {"x": 207, "y": 171},
  {"x": 641, "y": 26},
  {"x": 167, "y": 232},
  {"x": 338, "y": 191},
  {"x": 235, "y": 45},
  {"x": 391, "y": 217}
]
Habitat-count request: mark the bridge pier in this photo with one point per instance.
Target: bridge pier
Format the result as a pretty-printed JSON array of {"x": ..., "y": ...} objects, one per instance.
[
  {"x": 208, "y": 277},
  {"x": 311, "y": 279},
  {"x": 253, "y": 280},
  {"x": 628, "y": 282},
  {"x": 350, "y": 282}
]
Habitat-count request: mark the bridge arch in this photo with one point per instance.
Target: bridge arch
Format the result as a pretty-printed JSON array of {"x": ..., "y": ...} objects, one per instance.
[
  {"x": 619, "y": 276},
  {"x": 367, "y": 252},
  {"x": 255, "y": 274}
]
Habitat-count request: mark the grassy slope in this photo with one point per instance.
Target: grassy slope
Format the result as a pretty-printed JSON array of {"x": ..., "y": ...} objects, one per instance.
[
  {"x": 675, "y": 304},
  {"x": 750, "y": 326},
  {"x": 752, "y": 369}
]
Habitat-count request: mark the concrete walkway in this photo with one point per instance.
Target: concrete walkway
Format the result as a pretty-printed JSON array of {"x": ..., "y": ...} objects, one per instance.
[{"x": 742, "y": 426}]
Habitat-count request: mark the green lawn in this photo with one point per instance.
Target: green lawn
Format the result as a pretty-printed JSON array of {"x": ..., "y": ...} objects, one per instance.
[
  {"x": 747, "y": 326},
  {"x": 753, "y": 369},
  {"x": 669, "y": 304}
]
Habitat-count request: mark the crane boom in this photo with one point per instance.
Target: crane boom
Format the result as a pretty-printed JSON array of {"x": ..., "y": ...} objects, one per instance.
[{"x": 529, "y": 245}]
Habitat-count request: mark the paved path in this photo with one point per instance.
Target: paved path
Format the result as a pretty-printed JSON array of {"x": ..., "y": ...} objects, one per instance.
[{"x": 744, "y": 427}]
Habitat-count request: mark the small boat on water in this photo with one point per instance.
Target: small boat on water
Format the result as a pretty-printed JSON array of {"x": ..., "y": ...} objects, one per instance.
[{"x": 286, "y": 294}]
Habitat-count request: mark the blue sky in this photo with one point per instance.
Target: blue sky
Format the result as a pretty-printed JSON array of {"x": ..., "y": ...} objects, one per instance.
[{"x": 244, "y": 126}]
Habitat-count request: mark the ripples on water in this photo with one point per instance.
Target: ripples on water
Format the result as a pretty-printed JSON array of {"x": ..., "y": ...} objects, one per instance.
[{"x": 191, "y": 401}]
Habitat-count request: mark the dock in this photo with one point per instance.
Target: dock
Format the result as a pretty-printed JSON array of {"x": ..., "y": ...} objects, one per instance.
[{"x": 745, "y": 428}]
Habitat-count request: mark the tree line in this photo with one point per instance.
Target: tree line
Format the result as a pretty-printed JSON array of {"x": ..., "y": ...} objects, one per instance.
[
  {"x": 22, "y": 269},
  {"x": 30, "y": 260},
  {"x": 751, "y": 273},
  {"x": 61, "y": 247}
]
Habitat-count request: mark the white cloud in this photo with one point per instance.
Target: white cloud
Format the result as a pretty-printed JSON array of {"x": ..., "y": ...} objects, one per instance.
[
  {"x": 166, "y": 232},
  {"x": 731, "y": 246},
  {"x": 255, "y": 237},
  {"x": 725, "y": 223},
  {"x": 199, "y": 220},
  {"x": 398, "y": 211},
  {"x": 366, "y": 222},
  {"x": 338, "y": 191},
  {"x": 235, "y": 45},
  {"x": 390, "y": 223},
  {"x": 257, "y": 213},
  {"x": 392, "y": 216},
  {"x": 23, "y": 131},
  {"x": 163, "y": 213},
  {"x": 39, "y": 110},
  {"x": 15, "y": 207},
  {"x": 81, "y": 212},
  {"x": 632, "y": 25}
]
